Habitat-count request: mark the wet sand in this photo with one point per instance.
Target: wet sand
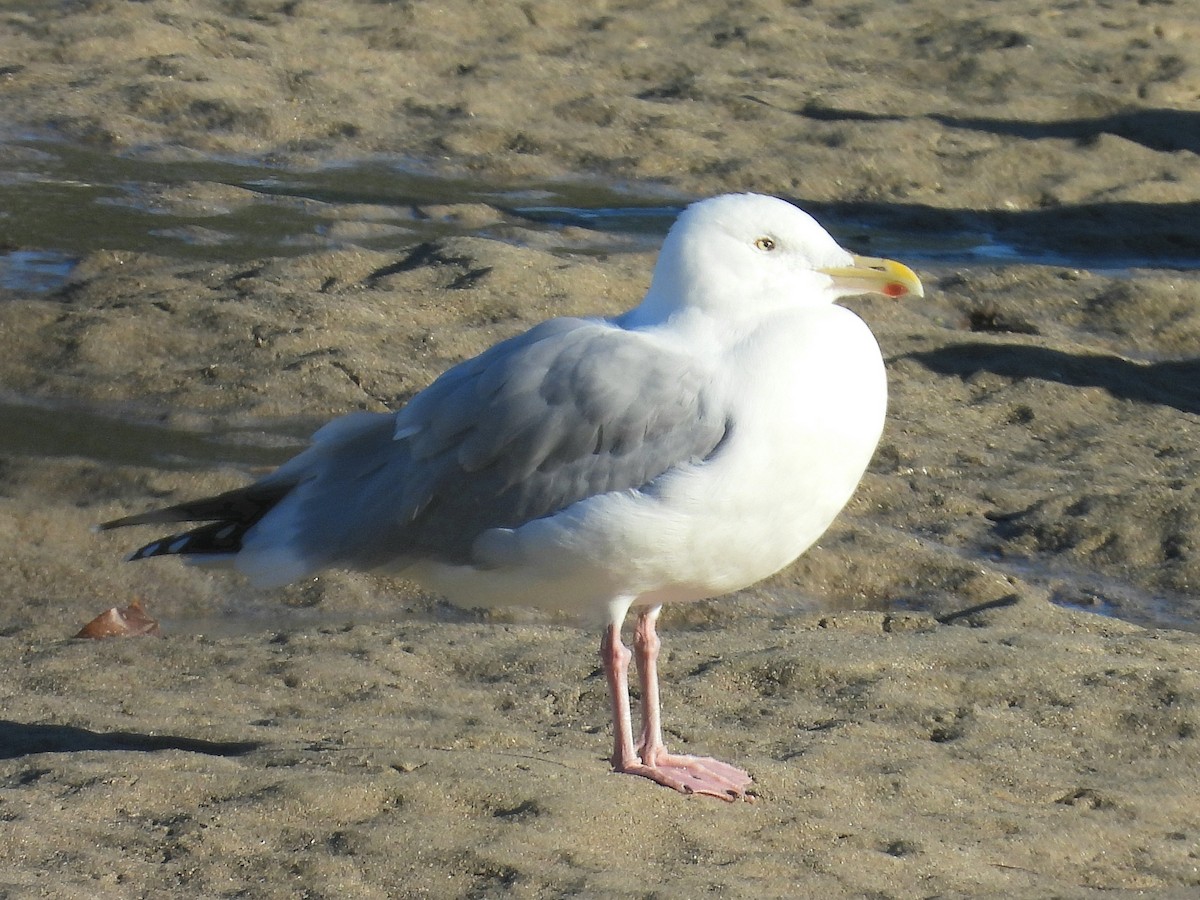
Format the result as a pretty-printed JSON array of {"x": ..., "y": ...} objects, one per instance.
[{"x": 921, "y": 713}]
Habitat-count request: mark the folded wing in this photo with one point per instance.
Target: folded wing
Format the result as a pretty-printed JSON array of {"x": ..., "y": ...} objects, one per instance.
[{"x": 567, "y": 410}]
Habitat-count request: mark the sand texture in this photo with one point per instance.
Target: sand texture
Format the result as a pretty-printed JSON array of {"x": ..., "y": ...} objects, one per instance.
[{"x": 985, "y": 680}]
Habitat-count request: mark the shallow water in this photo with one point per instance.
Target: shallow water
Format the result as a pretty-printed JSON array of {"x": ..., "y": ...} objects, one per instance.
[{"x": 60, "y": 201}]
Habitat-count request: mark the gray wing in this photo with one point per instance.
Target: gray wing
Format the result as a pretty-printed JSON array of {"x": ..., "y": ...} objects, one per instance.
[{"x": 567, "y": 410}]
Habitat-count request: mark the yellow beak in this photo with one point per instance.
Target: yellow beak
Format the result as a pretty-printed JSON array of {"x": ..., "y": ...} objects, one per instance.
[{"x": 874, "y": 275}]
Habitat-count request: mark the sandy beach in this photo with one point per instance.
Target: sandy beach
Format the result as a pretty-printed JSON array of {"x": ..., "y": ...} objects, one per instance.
[{"x": 984, "y": 680}]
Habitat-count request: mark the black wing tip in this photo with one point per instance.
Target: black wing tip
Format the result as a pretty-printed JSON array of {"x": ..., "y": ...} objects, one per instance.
[
  {"x": 214, "y": 539},
  {"x": 174, "y": 545},
  {"x": 227, "y": 516},
  {"x": 152, "y": 549},
  {"x": 248, "y": 504}
]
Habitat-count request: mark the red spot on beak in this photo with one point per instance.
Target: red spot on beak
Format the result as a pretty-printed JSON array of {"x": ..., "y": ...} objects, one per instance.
[{"x": 894, "y": 289}]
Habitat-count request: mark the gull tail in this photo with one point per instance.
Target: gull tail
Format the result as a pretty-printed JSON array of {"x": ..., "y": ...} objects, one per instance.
[{"x": 229, "y": 517}]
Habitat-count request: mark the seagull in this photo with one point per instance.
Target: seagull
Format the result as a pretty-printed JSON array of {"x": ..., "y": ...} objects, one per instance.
[{"x": 682, "y": 450}]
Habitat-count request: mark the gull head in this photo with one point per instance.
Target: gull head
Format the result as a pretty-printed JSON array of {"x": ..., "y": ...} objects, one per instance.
[{"x": 749, "y": 254}]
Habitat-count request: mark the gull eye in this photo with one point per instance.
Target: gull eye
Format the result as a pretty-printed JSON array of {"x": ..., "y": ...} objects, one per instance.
[{"x": 765, "y": 243}]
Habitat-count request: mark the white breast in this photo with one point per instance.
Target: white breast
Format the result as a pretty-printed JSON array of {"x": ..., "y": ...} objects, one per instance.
[{"x": 809, "y": 393}]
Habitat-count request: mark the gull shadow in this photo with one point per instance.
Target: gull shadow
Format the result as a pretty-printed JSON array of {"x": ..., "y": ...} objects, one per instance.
[
  {"x": 20, "y": 739},
  {"x": 1174, "y": 383}
]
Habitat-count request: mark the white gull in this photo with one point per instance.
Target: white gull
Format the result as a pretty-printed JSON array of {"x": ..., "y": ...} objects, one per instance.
[{"x": 685, "y": 449}]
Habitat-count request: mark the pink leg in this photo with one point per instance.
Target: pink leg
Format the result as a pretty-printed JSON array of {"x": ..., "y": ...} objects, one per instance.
[
  {"x": 650, "y": 759},
  {"x": 615, "y": 658}
]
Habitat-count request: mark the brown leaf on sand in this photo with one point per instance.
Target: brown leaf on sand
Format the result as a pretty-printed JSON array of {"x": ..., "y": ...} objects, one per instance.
[{"x": 132, "y": 621}]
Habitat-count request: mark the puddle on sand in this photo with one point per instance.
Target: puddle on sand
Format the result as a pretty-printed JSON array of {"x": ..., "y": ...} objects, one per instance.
[
  {"x": 36, "y": 271},
  {"x": 59, "y": 201}
]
